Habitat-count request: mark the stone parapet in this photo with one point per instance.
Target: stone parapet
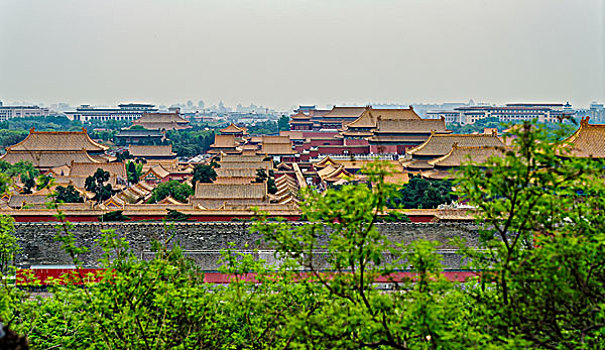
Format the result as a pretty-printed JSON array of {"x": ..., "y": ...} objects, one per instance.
[{"x": 204, "y": 240}]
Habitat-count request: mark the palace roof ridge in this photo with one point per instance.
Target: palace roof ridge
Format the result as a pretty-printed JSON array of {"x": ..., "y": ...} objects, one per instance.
[
  {"x": 424, "y": 148},
  {"x": 586, "y": 142},
  {"x": 458, "y": 154}
]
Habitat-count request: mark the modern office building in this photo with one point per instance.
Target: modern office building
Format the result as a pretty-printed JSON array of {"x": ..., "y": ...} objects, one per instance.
[
  {"x": 10, "y": 112},
  {"x": 512, "y": 112},
  {"x": 129, "y": 111}
]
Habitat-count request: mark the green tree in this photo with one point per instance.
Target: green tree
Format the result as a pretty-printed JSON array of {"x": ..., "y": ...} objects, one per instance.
[
  {"x": 134, "y": 171},
  {"x": 425, "y": 194},
  {"x": 283, "y": 124},
  {"x": 174, "y": 215},
  {"x": 203, "y": 173},
  {"x": 543, "y": 275},
  {"x": 177, "y": 190},
  {"x": 68, "y": 194},
  {"x": 117, "y": 215},
  {"x": 25, "y": 170},
  {"x": 8, "y": 245},
  {"x": 261, "y": 175},
  {"x": 122, "y": 156},
  {"x": 96, "y": 184}
]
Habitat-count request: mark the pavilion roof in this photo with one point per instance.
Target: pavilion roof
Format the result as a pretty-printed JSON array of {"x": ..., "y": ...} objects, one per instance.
[
  {"x": 159, "y": 171},
  {"x": 58, "y": 141},
  {"x": 331, "y": 172},
  {"x": 233, "y": 129},
  {"x": 300, "y": 116},
  {"x": 440, "y": 144}
]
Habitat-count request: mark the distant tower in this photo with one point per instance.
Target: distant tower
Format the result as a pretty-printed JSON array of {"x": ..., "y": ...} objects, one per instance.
[{"x": 1, "y": 104}]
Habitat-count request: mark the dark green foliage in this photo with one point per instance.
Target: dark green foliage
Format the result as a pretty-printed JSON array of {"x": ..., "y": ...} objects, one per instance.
[
  {"x": 113, "y": 125},
  {"x": 271, "y": 188},
  {"x": 261, "y": 175},
  {"x": 96, "y": 184},
  {"x": 283, "y": 123},
  {"x": 114, "y": 216},
  {"x": 11, "y": 137},
  {"x": 120, "y": 157},
  {"x": 134, "y": 171},
  {"x": 49, "y": 123},
  {"x": 478, "y": 126},
  {"x": 105, "y": 135},
  {"x": 174, "y": 215},
  {"x": 263, "y": 128},
  {"x": 545, "y": 245},
  {"x": 25, "y": 170},
  {"x": 68, "y": 194},
  {"x": 394, "y": 216},
  {"x": 187, "y": 143},
  {"x": 177, "y": 190},
  {"x": 421, "y": 193},
  {"x": 203, "y": 173}
]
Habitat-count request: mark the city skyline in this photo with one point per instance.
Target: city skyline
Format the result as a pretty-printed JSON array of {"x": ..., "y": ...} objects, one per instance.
[{"x": 281, "y": 55}]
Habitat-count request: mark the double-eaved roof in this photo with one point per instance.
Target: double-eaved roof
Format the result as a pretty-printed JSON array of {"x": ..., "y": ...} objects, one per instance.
[
  {"x": 49, "y": 149},
  {"x": 48, "y": 159},
  {"x": 57, "y": 141}
]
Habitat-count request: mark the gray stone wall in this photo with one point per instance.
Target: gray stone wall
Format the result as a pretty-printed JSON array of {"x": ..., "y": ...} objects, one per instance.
[{"x": 203, "y": 241}]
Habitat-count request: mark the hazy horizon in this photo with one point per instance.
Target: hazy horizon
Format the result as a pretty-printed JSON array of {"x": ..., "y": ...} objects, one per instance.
[{"x": 280, "y": 53}]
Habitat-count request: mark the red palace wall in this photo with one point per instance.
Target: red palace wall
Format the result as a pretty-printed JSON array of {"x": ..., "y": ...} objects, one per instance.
[{"x": 356, "y": 142}]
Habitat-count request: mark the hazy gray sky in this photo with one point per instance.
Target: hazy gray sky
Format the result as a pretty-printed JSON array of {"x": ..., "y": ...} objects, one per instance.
[{"x": 286, "y": 52}]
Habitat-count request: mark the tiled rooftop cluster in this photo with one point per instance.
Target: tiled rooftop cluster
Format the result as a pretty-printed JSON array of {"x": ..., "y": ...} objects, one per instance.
[{"x": 323, "y": 148}]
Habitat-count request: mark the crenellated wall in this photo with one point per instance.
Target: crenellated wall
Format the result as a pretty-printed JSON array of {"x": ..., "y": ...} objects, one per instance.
[{"x": 203, "y": 241}]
